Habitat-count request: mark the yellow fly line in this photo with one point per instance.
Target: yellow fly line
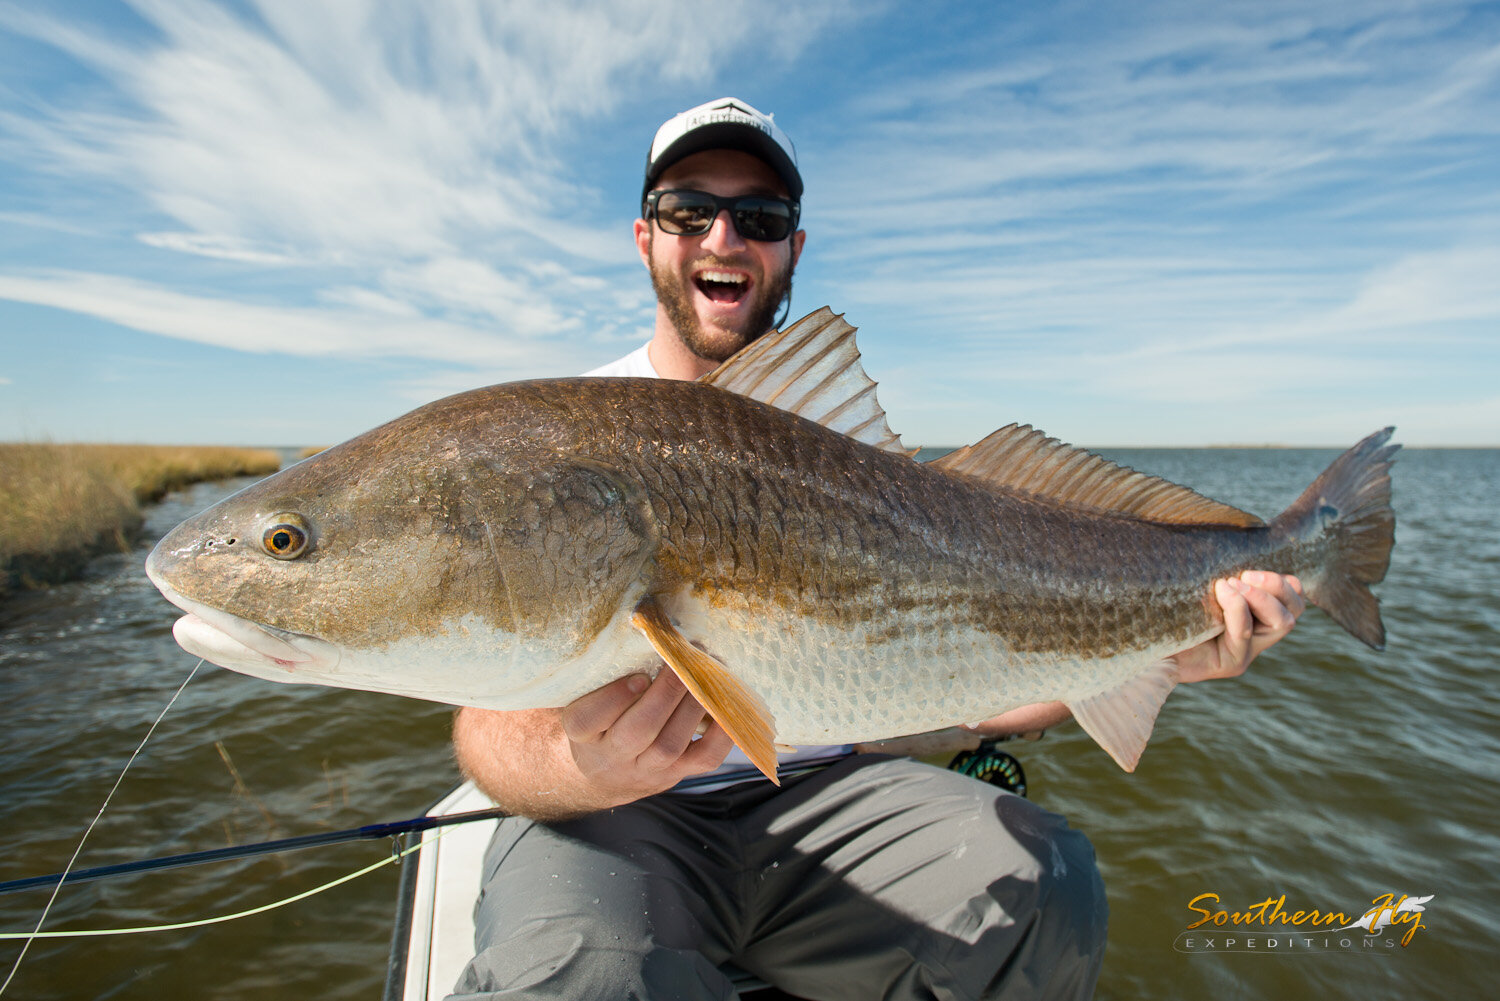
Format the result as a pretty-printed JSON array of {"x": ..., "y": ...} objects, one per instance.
[{"x": 90, "y": 932}]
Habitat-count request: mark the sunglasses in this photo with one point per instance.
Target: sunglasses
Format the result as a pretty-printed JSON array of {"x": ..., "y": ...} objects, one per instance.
[{"x": 684, "y": 212}]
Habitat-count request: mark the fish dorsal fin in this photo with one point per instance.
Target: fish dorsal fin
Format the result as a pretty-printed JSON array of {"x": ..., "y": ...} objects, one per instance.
[
  {"x": 1026, "y": 460},
  {"x": 812, "y": 369},
  {"x": 737, "y": 709}
]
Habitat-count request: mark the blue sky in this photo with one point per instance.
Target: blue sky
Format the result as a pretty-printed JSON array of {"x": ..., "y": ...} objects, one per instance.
[{"x": 1134, "y": 223}]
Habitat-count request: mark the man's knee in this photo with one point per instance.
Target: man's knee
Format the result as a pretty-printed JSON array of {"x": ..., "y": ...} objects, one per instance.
[
  {"x": 559, "y": 917},
  {"x": 1055, "y": 909},
  {"x": 570, "y": 963}
]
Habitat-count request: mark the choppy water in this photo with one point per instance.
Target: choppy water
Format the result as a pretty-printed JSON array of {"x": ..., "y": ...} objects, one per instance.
[{"x": 1329, "y": 773}]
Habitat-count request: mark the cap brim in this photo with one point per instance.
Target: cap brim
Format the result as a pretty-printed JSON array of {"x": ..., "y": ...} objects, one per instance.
[{"x": 729, "y": 135}]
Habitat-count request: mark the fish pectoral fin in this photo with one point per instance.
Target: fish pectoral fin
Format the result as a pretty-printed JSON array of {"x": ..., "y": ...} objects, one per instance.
[
  {"x": 737, "y": 709},
  {"x": 1120, "y": 720}
]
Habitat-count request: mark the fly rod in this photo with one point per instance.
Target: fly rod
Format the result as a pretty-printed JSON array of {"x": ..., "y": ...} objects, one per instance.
[{"x": 369, "y": 832}]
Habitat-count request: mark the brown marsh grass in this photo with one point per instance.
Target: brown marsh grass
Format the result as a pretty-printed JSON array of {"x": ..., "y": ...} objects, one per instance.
[{"x": 59, "y": 504}]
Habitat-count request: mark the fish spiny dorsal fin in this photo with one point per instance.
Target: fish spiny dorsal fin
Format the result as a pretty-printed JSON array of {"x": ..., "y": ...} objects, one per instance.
[
  {"x": 1023, "y": 459},
  {"x": 812, "y": 369}
]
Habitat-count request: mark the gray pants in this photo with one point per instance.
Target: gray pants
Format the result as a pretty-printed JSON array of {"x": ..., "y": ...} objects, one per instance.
[{"x": 873, "y": 878}]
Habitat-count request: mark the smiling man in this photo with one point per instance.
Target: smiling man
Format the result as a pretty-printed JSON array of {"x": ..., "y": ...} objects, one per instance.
[
  {"x": 718, "y": 233},
  {"x": 872, "y": 877}
]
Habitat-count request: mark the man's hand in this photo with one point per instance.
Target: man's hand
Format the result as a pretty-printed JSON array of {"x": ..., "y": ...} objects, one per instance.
[
  {"x": 634, "y": 737},
  {"x": 1259, "y": 609},
  {"x": 629, "y": 739}
]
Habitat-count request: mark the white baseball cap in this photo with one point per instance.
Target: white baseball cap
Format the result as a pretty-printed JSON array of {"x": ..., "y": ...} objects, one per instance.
[{"x": 727, "y": 123}]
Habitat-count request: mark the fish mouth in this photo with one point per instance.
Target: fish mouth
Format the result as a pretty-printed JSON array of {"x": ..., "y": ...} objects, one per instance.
[{"x": 239, "y": 644}]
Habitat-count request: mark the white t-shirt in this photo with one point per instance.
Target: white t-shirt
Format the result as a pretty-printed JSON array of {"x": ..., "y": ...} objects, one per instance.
[
  {"x": 736, "y": 767},
  {"x": 637, "y": 363}
]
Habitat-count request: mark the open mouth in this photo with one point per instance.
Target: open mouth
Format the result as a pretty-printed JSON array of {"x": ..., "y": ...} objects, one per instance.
[{"x": 728, "y": 287}]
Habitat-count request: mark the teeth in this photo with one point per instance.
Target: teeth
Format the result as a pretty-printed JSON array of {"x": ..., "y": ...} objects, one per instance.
[{"x": 722, "y": 277}]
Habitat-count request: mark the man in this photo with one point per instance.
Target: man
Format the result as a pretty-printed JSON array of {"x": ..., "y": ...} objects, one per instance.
[{"x": 872, "y": 877}]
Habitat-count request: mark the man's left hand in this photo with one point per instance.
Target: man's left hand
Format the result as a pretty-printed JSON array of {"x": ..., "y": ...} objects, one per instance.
[{"x": 1259, "y": 609}]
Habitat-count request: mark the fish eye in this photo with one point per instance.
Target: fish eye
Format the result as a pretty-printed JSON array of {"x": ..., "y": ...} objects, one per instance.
[{"x": 286, "y": 536}]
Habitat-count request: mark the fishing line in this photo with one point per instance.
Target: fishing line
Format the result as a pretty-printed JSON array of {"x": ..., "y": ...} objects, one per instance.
[
  {"x": 200, "y": 922},
  {"x": 37, "y": 931},
  {"x": 369, "y": 832},
  {"x": 455, "y": 819}
]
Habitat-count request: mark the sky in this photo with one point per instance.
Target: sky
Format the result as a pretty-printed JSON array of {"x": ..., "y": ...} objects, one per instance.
[{"x": 1126, "y": 223}]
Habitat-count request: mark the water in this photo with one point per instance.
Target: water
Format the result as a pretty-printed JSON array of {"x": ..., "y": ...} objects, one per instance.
[{"x": 1329, "y": 773}]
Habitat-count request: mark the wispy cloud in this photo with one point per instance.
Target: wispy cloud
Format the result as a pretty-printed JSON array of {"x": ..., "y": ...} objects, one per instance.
[
  {"x": 257, "y": 328},
  {"x": 1191, "y": 203},
  {"x": 220, "y": 247},
  {"x": 1275, "y": 205},
  {"x": 1220, "y": 109},
  {"x": 404, "y": 148}
]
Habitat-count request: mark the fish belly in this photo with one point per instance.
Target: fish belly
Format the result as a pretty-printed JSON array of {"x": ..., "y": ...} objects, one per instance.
[{"x": 830, "y": 685}]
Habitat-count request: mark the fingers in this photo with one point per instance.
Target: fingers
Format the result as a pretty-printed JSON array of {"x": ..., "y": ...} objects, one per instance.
[
  {"x": 588, "y": 717},
  {"x": 1275, "y": 601},
  {"x": 645, "y": 727},
  {"x": 669, "y": 747},
  {"x": 1286, "y": 589},
  {"x": 672, "y": 738},
  {"x": 640, "y": 725},
  {"x": 1239, "y": 627},
  {"x": 1259, "y": 609},
  {"x": 707, "y": 752}
]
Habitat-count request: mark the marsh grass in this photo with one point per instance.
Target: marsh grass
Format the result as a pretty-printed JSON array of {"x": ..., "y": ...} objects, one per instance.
[{"x": 61, "y": 504}]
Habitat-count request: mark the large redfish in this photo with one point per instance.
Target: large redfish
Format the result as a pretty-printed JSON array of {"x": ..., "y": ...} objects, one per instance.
[{"x": 764, "y": 533}]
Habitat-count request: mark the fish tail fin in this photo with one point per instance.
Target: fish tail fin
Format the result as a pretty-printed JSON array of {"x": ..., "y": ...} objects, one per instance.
[{"x": 1350, "y": 505}]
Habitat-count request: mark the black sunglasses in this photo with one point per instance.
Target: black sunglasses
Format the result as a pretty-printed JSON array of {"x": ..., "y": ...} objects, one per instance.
[{"x": 684, "y": 212}]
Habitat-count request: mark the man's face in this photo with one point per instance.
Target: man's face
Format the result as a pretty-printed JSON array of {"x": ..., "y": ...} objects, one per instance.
[{"x": 719, "y": 290}]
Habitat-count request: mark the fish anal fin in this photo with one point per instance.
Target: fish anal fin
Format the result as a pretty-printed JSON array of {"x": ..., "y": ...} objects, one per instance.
[
  {"x": 737, "y": 709},
  {"x": 1018, "y": 457},
  {"x": 1120, "y": 720},
  {"x": 812, "y": 369}
]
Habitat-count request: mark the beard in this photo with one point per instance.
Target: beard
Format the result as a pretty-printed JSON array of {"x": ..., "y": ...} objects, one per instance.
[{"x": 674, "y": 292}]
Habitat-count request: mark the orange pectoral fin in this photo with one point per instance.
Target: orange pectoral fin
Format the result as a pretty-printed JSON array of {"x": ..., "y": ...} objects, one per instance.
[{"x": 734, "y": 707}]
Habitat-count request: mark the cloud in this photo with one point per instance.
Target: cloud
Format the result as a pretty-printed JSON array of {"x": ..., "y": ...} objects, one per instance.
[
  {"x": 297, "y": 331},
  {"x": 1426, "y": 291},
  {"x": 1267, "y": 205},
  {"x": 1213, "y": 109},
  {"x": 221, "y": 247},
  {"x": 1125, "y": 203},
  {"x": 411, "y": 177},
  {"x": 363, "y": 131},
  {"x": 38, "y": 220},
  {"x": 1172, "y": 350}
]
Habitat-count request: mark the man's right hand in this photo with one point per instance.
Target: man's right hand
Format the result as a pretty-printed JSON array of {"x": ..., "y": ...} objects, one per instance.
[
  {"x": 630, "y": 739},
  {"x": 634, "y": 737}
]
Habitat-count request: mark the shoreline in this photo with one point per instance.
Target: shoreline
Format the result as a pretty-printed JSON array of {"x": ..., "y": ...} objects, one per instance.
[{"x": 61, "y": 505}]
